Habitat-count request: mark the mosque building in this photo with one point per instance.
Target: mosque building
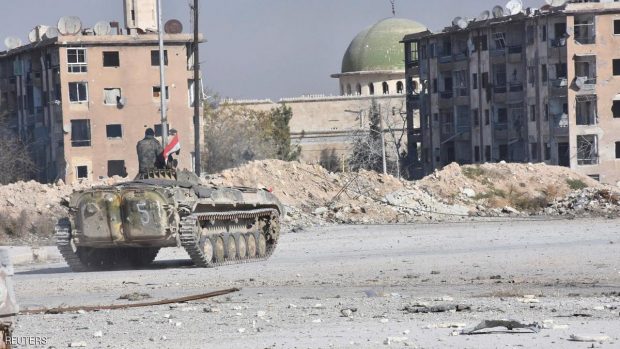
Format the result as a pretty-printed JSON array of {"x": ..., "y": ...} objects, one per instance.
[{"x": 373, "y": 69}]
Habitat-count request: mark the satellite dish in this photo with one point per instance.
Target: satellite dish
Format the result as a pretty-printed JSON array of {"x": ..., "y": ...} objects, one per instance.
[
  {"x": 12, "y": 42},
  {"x": 470, "y": 45},
  {"x": 51, "y": 33},
  {"x": 33, "y": 36},
  {"x": 581, "y": 81},
  {"x": 483, "y": 16},
  {"x": 66, "y": 128},
  {"x": 498, "y": 11},
  {"x": 102, "y": 28},
  {"x": 462, "y": 23},
  {"x": 69, "y": 25},
  {"x": 173, "y": 26},
  {"x": 36, "y": 34},
  {"x": 120, "y": 104},
  {"x": 456, "y": 20},
  {"x": 514, "y": 7}
]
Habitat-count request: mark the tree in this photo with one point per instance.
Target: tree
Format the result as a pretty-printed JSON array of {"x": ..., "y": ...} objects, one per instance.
[
  {"x": 16, "y": 161},
  {"x": 280, "y": 133},
  {"x": 366, "y": 152},
  {"x": 235, "y": 135}
]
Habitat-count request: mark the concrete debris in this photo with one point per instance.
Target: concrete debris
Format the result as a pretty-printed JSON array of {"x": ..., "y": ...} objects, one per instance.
[
  {"x": 395, "y": 340},
  {"x": 510, "y": 325},
  {"x": 348, "y": 312},
  {"x": 77, "y": 345},
  {"x": 98, "y": 334},
  {"x": 588, "y": 338}
]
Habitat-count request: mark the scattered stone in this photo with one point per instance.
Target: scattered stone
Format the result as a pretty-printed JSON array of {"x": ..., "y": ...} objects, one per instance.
[
  {"x": 241, "y": 330},
  {"x": 98, "y": 334},
  {"x": 435, "y": 272},
  {"x": 394, "y": 340},
  {"x": 136, "y": 296},
  {"x": 588, "y": 338},
  {"x": 413, "y": 309},
  {"x": 77, "y": 345},
  {"x": 316, "y": 321}
]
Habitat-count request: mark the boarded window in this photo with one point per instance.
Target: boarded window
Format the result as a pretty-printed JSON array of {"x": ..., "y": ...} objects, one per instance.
[
  {"x": 617, "y": 26},
  {"x": 111, "y": 96}
]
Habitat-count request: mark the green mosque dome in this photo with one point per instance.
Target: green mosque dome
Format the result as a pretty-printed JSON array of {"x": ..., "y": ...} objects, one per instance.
[{"x": 378, "y": 47}]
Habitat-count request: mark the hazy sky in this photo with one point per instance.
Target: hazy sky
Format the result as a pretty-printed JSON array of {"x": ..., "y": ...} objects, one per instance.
[{"x": 259, "y": 48}]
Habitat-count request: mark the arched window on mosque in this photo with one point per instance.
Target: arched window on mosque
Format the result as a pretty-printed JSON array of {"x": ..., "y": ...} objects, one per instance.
[
  {"x": 358, "y": 89},
  {"x": 371, "y": 89},
  {"x": 399, "y": 87},
  {"x": 348, "y": 89},
  {"x": 386, "y": 88}
]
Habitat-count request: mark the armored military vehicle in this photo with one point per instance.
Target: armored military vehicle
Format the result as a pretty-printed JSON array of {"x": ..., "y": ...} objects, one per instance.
[{"x": 125, "y": 225}]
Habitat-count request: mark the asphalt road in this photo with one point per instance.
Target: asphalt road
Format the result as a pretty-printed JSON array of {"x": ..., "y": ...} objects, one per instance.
[{"x": 296, "y": 299}]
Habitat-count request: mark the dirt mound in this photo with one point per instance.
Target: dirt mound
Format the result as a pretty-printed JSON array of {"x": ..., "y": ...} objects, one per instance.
[
  {"x": 489, "y": 186},
  {"x": 29, "y": 209},
  {"x": 314, "y": 195}
]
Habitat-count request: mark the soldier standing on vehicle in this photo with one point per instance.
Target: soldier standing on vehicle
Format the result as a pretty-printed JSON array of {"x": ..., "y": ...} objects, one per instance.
[{"x": 149, "y": 152}]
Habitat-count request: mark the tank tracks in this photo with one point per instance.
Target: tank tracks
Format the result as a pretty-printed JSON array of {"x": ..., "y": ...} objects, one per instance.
[
  {"x": 81, "y": 259},
  {"x": 210, "y": 247}
]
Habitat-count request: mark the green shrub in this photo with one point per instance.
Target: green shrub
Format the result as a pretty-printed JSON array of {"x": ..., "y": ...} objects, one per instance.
[{"x": 576, "y": 184}]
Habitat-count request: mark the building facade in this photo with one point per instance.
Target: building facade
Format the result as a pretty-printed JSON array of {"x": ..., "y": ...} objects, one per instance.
[
  {"x": 83, "y": 101},
  {"x": 538, "y": 86}
]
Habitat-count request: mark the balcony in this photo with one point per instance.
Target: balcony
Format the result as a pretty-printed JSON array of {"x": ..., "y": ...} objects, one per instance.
[
  {"x": 460, "y": 57},
  {"x": 585, "y": 31},
  {"x": 516, "y": 86},
  {"x": 585, "y": 84},
  {"x": 558, "y": 42},
  {"x": 445, "y": 59},
  {"x": 515, "y": 49},
  {"x": 447, "y": 129},
  {"x": 499, "y": 89},
  {"x": 446, "y": 94},
  {"x": 498, "y": 52}
]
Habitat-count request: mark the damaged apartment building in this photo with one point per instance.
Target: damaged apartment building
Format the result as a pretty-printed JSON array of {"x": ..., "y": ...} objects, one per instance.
[
  {"x": 534, "y": 85},
  {"x": 82, "y": 98}
]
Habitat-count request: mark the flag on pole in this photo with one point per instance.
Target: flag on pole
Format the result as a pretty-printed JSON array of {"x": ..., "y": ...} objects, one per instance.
[{"x": 173, "y": 146}]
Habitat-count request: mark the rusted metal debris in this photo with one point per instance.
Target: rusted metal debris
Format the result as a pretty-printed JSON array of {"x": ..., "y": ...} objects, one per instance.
[{"x": 61, "y": 310}]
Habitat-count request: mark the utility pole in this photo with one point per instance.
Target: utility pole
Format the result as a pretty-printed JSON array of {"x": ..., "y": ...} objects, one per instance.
[
  {"x": 382, "y": 141},
  {"x": 197, "y": 94},
  {"x": 162, "y": 77}
]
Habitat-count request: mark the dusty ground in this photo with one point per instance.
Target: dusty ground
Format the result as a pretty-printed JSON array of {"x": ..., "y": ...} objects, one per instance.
[{"x": 295, "y": 299}]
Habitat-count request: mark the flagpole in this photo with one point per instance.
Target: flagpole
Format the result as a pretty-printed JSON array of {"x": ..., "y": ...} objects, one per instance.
[{"x": 162, "y": 77}]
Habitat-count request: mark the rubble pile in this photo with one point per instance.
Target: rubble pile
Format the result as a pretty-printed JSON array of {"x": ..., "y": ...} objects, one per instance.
[
  {"x": 313, "y": 196},
  {"x": 586, "y": 202},
  {"x": 500, "y": 187}
]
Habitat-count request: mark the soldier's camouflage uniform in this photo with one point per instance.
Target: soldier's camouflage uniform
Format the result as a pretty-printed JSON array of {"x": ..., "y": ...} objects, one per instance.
[{"x": 149, "y": 153}]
